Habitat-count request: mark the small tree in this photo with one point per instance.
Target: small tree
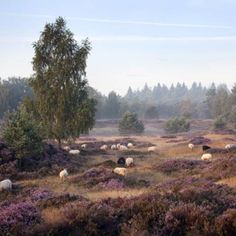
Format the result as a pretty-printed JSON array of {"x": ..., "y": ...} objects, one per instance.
[
  {"x": 152, "y": 112},
  {"x": 176, "y": 125},
  {"x": 130, "y": 124},
  {"x": 59, "y": 83},
  {"x": 220, "y": 123},
  {"x": 22, "y": 133}
]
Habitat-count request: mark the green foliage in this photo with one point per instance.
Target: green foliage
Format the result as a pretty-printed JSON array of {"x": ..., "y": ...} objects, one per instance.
[
  {"x": 220, "y": 122},
  {"x": 22, "y": 133},
  {"x": 233, "y": 116},
  {"x": 130, "y": 124},
  {"x": 152, "y": 112},
  {"x": 176, "y": 125},
  {"x": 59, "y": 84}
]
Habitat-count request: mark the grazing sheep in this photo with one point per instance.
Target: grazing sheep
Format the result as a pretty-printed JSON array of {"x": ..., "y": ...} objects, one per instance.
[
  {"x": 206, "y": 157},
  {"x": 113, "y": 147},
  {"x": 104, "y": 147},
  {"x": 120, "y": 171},
  {"x": 130, "y": 145},
  {"x": 205, "y": 147},
  {"x": 118, "y": 145},
  {"x": 66, "y": 148},
  {"x": 129, "y": 161},
  {"x": 152, "y": 149},
  {"x": 229, "y": 146},
  {"x": 6, "y": 184},
  {"x": 63, "y": 174},
  {"x": 74, "y": 152},
  {"x": 84, "y": 145},
  {"x": 122, "y": 148},
  {"x": 121, "y": 161},
  {"x": 191, "y": 146}
]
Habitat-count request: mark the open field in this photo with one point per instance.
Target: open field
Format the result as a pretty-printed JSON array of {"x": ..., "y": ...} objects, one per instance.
[{"x": 170, "y": 182}]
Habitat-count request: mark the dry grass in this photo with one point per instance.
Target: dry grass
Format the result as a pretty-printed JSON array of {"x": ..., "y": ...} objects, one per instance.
[{"x": 228, "y": 181}]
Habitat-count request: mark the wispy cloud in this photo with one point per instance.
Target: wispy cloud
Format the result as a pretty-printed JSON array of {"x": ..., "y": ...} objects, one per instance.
[{"x": 127, "y": 22}]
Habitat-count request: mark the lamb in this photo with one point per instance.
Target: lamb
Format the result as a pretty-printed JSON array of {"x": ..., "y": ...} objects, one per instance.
[
  {"x": 121, "y": 161},
  {"x": 120, "y": 171},
  {"x": 229, "y": 146},
  {"x": 6, "y": 184},
  {"x": 205, "y": 147},
  {"x": 206, "y": 156},
  {"x": 130, "y": 145},
  {"x": 63, "y": 174},
  {"x": 84, "y": 145},
  {"x": 191, "y": 146},
  {"x": 129, "y": 161},
  {"x": 66, "y": 148},
  {"x": 122, "y": 148},
  {"x": 103, "y": 147},
  {"x": 152, "y": 149},
  {"x": 74, "y": 152},
  {"x": 113, "y": 147}
]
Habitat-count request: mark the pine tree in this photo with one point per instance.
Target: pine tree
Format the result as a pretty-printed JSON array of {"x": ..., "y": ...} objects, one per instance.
[{"x": 59, "y": 82}]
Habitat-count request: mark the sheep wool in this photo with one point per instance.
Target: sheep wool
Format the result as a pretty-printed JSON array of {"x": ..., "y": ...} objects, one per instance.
[
  {"x": 74, "y": 152},
  {"x": 206, "y": 157},
  {"x": 191, "y": 146},
  {"x": 130, "y": 145},
  {"x": 122, "y": 148},
  {"x": 120, "y": 171},
  {"x": 5, "y": 184},
  {"x": 103, "y": 147},
  {"x": 129, "y": 161},
  {"x": 152, "y": 149},
  {"x": 63, "y": 174}
]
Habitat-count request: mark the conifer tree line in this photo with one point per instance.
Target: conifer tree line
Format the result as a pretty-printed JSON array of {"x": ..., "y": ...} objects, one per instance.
[{"x": 160, "y": 101}]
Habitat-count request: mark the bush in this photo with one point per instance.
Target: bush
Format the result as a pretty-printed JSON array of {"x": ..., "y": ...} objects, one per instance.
[
  {"x": 22, "y": 133},
  {"x": 176, "y": 125},
  {"x": 152, "y": 113},
  {"x": 219, "y": 123},
  {"x": 130, "y": 124}
]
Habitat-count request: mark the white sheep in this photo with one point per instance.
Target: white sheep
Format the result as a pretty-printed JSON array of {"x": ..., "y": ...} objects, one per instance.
[
  {"x": 104, "y": 147},
  {"x": 120, "y": 171},
  {"x": 229, "y": 146},
  {"x": 130, "y": 145},
  {"x": 6, "y": 184},
  {"x": 152, "y": 149},
  {"x": 113, "y": 147},
  {"x": 129, "y": 161},
  {"x": 118, "y": 145},
  {"x": 63, "y": 174},
  {"x": 122, "y": 148},
  {"x": 84, "y": 145},
  {"x": 66, "y": 148},
  {"x": 206, "y": 156},
  {"x": 191, "y": 146},
  {"x": 74, "y": 152}
]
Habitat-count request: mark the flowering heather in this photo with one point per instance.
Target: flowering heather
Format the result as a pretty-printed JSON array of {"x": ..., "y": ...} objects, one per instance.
[
  {"x": 40, "y": 194},
  {"x": 22, "y": 214},
  {"x": 113, "y": 184},
  {"x": 199, "y": 140}
]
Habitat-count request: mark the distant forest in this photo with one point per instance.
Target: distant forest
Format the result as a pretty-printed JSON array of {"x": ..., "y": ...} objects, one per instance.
[{"x": 149, "y": 103}]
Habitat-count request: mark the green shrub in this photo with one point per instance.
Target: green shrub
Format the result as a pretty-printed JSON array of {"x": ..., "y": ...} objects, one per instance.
[
  {"x": 22, "y": 133},
  {"x": 130, "y": 124},
  {"x": 176, "y": 125},
  {"x": 220, "y": 123}
]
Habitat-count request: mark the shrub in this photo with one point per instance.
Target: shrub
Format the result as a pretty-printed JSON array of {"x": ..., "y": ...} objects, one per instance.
[
  {"x": 130, "y": 124},
  {"x": 152, "y": 113},
  {"x": 176, "y": 125},
  {"x": 22, "y": 133},
  {"x": 220, "y": 123}
]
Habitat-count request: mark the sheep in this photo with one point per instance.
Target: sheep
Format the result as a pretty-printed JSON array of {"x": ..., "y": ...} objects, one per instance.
[
  {"x": 122, "y": 148},
  {"x": 130, "y": 145},
  {"x": 118, "y": 145},
  {"x": 74, "y": 152},
  {"x": 84, "y": 145},
  {"x": 152, "y": 149},
  {"x": 191, "y": 146},
  {"x": 129, "y": 161},
  {"x": 120, "y": 171},
  {"x": 229, "y": 146},
  {"x": 206, "y": 156},
  {"x": 205, "y": 147},
  {"x": 103, "y": 147},
  {"x": 63, "y": 174},
  {"x": 66, "y": 148},
  {"x": 121, "y": 161},
  {"x": 113, "y": 147},
  {"x": 6, "y": 184}
]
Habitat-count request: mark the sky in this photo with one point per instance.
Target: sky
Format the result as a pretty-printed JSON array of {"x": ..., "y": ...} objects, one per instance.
[{"x": 133, "y": 41}]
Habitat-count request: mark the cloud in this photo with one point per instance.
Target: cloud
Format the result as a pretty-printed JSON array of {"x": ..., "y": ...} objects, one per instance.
[{"x": 127, "y": 22}]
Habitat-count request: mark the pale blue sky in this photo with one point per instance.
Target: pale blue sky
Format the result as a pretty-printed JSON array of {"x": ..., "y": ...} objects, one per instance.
[{"x": 133, "y": 41}]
